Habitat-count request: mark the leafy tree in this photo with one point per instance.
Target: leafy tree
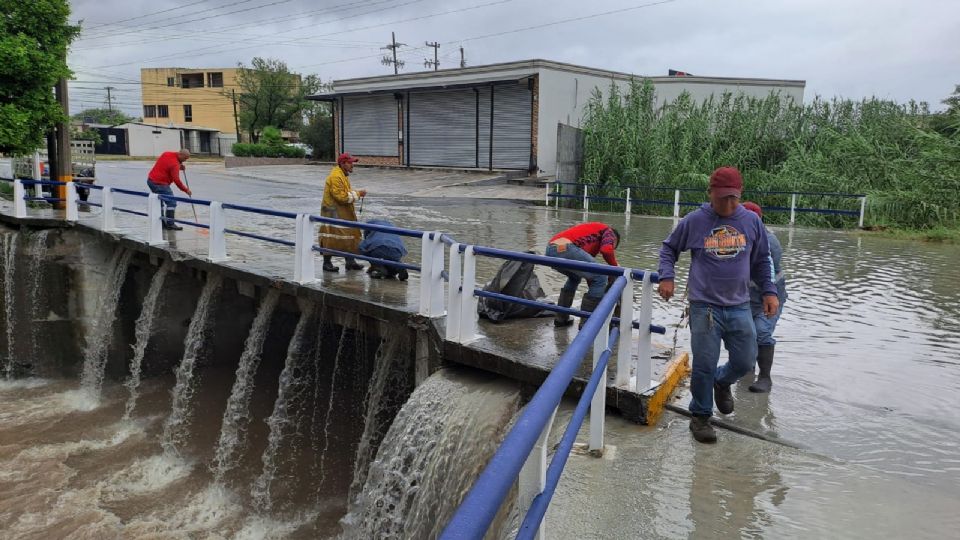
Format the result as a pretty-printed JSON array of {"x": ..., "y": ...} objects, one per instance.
[
  {"x": 318, "y": 131},
  {"x": 102, "y": 116},
  {"x": 271, "y": 95},
  {"x": 34, "y": 37},
  {"x": 88, "y": 135}
]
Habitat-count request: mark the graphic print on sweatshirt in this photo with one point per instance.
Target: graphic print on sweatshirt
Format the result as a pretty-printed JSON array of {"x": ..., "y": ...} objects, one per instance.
[{"x": 725, "y": 242}]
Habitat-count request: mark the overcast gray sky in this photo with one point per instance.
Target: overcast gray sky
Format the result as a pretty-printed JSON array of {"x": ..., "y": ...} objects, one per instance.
[{"x": 895, "y": 49}]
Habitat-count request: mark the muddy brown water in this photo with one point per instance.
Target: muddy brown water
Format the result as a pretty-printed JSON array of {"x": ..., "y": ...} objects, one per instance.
[{"x": 867, "y": 381}]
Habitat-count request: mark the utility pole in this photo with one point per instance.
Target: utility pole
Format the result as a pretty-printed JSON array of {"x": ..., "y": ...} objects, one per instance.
[
  {"x": 463, "y": 62},
  {"x": 436, "y": 61},
  {"x": 109, "y": 98},
  {"x": 393, "y": 46},
  {"x": 64, "y": 172},
  {"x": 236, "y": 120}
]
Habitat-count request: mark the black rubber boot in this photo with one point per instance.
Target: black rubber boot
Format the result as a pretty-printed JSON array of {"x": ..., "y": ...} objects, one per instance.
[
  {"x": 565, "y": 300},
  {"x": 169, "y": 224},
  {"x": 702, "y": 431},
  {"x": 328, "y": 264},
  {"x": 764, "y": 362},
  {"x": 402, "y": 274},
  {"x": 588, "y": 304},
  {"x": 723, "y": 397},
  {"x": 352, "y": 264}
]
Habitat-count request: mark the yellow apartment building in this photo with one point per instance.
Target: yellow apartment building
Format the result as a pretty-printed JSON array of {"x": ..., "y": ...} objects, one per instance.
[{"x": 189, "y": 97}]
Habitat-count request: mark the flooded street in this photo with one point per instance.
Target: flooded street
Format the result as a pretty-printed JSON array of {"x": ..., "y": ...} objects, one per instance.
[{"x": 866, "y": 384}]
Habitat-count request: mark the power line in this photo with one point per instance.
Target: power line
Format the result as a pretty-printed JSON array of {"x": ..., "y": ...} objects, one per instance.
[
  {"x": 192, "y": 4},
  {"x": 144, "y": 26}
]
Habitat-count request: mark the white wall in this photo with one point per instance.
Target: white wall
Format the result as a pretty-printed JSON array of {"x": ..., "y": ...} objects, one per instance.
[
  {"x": 564, "y": 96},
  {"x": 144, "y": 143}
]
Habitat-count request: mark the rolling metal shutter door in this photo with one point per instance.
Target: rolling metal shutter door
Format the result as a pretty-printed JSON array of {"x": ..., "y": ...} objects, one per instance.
[
  {"x": 370, "y": 125},
  {"x": 511, "y": 126},
  {"x": 443, "y": 128}
]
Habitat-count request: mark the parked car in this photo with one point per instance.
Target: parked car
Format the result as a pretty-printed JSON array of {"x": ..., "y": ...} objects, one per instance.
[{"x": 305, "y": 147}]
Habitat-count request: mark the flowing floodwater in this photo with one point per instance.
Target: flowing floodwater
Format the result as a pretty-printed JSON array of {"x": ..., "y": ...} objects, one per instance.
[
  {"x": 38, "y": 249},
  {"x": 98, "y": 340},
  {"x": 143, "y": 331},
  {"x": 9, "y": 287},
  {"x": 177, "y": 424},
  {"x": 866, "y": 379},
  {"x": 236, "y": 417}
]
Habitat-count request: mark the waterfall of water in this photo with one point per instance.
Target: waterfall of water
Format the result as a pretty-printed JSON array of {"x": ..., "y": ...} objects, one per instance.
[
  {"x": 37, "y": 251},
  {"x": 236, "y": 417},
  {"x": 177, "y": 423},
  {"x": 9, "y": 265},
  {"x": 95, "y": 355},
  {"x": 439, "y": 442},
  {"x": 326, "y": 418},
  {"x": 280, "y": 418},
  {"x": 392, "y": 370},
  {"x": 143, "y": 331}
]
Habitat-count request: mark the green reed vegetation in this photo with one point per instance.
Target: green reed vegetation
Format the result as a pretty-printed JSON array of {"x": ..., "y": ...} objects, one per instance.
[{"x": 887, "y": 151}]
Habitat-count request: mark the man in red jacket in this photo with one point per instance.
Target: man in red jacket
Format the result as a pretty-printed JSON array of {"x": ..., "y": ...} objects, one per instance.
[
  {"x": 166, "y": 171},
  {"x": 582, "y": 243}
]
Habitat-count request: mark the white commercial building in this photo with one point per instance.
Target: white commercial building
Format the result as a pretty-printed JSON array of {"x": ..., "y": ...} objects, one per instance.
[{"x": 498, "y": 116}]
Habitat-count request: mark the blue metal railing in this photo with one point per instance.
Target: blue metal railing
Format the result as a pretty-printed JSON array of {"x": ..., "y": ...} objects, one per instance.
[{"x": 476, "y": 512}]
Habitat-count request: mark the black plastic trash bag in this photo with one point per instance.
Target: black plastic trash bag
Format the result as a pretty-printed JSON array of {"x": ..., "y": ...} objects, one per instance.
[{"x": 517, "y": 279}]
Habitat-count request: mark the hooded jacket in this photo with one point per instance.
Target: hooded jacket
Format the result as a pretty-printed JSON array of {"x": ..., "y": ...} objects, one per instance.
[
  {"x": 382, "y": 245},
  {"x": 726, "y": 254}
]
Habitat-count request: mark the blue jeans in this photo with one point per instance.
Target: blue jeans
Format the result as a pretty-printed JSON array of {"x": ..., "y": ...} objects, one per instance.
[
  {"x": 161, "y": 189},
  {"x": 597, "y": 283},
  {"x": 709, "y": 325},
  {"x": 765, "y": 326}
]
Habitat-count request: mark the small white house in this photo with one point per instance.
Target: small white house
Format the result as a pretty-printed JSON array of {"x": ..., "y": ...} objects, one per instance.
[
  {"x": 148, "y": 140},
  {"x": 498, "y": 116}
]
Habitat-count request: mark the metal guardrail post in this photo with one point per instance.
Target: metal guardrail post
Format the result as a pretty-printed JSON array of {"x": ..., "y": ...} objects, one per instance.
[
  {"x": 436, "y": 277},
  {"x": 644, "y": 373},
  {"x": 559, "y": 192},
  {"x": 546, "y": 194},
  {"x": 19, "y": 203},
  {"x": 676, "y": 203},
  {"x": 533, "y": 476},
  {"x": 625, "y": 347},
  {"x": 793, "y": 208},
  {"x": 304, "y": 270},
  {"x": 217, "y": 251},
  {"x": 586, "y": 198},
  {"x": 106, "y": 205},
  {"x": 73, "y": 213},
  {"x": 598, "y": 404},
  {"x": 426, "y": 263},
  {"x": 37, "y": 174},
  {"x": 454, "y": 293},
  {"x": 154, "y": 225},
  {"x": 628, "y": 209},
  {"x": 863, "y": 209},
  {"x": 468, "y": 301}
]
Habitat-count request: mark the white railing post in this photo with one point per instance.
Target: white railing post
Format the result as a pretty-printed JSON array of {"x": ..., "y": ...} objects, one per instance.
[
  {"x": 217, "y": 252},
  {"x": 586, "y": 198},
  {"x": 559, "y": 191},
  {"x": 676, "y": 203},
  {"x": 304, "y": 270},
  {"x": 629, "y": 203},
  {"x": 625, "y": 346},
  {"x": 863, "y": 209},
  {"x": 468, "y": 301},
  {"x": 73, "y": 213},
  {"x": 533, "y": 476},
  {"x": 546, "y": 194},
  {"x": 454, "y": 294},
  {"x": 37, "y": 175},
  {"x": 19, "y": 203},
  {"x": 106, "y": 205},
  {"x": 793, "y": 208},
  {"x": 436, "y": 276},
  {"x": 644, "y": 373},
  {"x": 598, "y": 404},
  {"x": 154, "y": 224},
  {"x": 426, "y": 264}
]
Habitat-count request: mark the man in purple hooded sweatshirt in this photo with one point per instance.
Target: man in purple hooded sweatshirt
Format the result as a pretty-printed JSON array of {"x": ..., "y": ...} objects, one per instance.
[{"x": 728, "y": 248}]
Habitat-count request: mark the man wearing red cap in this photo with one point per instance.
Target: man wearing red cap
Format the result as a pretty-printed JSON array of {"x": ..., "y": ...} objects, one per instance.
[
  {"x": 338, "y": 199},
  {"x": 766, "y": 325},
  {"x": 729, "y": 249},
  {"x": 166, "y": 171}
]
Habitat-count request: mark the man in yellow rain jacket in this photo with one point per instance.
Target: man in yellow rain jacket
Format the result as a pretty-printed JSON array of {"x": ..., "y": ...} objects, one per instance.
[{"x": 338, "y": 199}]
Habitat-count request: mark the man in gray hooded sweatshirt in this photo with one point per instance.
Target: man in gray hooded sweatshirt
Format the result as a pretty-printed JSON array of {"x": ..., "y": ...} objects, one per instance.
[{"x": 729, "y": 249}]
